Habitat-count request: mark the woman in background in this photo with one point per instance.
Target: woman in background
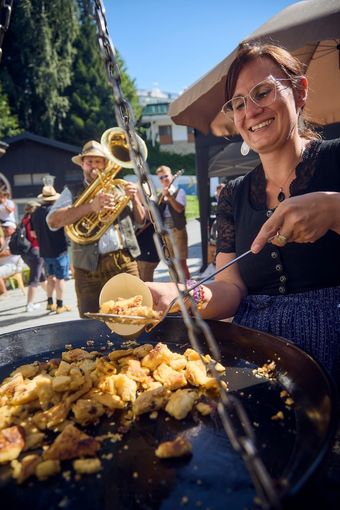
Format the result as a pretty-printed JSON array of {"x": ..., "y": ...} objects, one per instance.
[{"x": 33, "y": 259}]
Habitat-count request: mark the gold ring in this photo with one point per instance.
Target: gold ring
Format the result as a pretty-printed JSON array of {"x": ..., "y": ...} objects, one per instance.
[{"x": 280, "y": 239}]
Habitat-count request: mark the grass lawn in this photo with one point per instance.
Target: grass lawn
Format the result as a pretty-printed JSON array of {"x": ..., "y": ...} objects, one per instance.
[{"x": 191, "y": 210}]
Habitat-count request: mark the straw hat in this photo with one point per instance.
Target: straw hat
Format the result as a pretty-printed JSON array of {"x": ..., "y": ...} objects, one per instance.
[
  {"x": 48, "y": 194},
  {"x": 91, "y": 148}
]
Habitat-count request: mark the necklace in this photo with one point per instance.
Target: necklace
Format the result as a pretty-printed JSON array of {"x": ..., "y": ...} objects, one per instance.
[{"x": 281, "y": 195}]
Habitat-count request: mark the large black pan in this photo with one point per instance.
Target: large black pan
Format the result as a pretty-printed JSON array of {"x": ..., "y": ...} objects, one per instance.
[{"x": 215, "y": 477}]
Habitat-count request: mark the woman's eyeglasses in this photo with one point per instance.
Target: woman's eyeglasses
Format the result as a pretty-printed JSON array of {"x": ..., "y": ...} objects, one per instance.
[{"x": 263, "y": 94}]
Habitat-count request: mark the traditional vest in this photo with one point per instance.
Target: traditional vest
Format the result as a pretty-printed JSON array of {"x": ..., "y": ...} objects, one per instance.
[
  {"x": 86, "y": 256},
  {"x": 178, "y": 218}
]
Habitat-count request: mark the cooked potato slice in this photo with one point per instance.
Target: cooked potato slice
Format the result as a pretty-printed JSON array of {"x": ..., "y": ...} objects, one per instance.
[
  {"x": 47, "y": 468},
  {"x": 151, "y": 400},
  {"x": 12, "y": 442},
  {"x": 177, "y": 448},
  {"x": 72, "y": 443},
  {"x": 180, "y": 403},
  {"x": 87, "y": 466}
]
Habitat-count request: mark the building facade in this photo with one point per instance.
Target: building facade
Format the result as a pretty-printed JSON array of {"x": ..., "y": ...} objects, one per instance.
[{"x": 159, "y": 126}]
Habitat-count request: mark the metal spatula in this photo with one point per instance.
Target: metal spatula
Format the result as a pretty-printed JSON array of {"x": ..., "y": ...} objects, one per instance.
[{"x": 151, "y": 323}]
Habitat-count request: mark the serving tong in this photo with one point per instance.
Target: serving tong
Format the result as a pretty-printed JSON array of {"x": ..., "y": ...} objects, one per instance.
[{"x": 151, "y": 323}]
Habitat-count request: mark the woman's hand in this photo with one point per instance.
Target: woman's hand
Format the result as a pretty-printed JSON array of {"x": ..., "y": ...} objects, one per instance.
[
  {"x": 302, "y": 219},
  {"x": 163, "y": 294}
]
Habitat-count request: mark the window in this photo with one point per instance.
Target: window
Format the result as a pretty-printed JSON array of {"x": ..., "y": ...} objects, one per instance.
[
  {"x": 38, "y": 179},
  {"x": 165, "y": 135},
  {"x": 22, "y": 180}
]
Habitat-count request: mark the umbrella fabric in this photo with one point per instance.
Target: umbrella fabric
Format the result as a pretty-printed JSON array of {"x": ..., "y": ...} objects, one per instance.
[
  {"x": 229, "y": 162},
  {"x": 311, "y": 31}
]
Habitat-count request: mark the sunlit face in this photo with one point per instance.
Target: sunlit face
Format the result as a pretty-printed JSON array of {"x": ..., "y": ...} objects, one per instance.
[
  {"x": 165, "y": 178},
  {"x": 266, "y": 128},
  {"x": 91, "y": 163}
]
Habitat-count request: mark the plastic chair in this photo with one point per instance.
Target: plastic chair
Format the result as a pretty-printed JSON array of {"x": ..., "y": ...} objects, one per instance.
[{"x": 16, "y": 278}]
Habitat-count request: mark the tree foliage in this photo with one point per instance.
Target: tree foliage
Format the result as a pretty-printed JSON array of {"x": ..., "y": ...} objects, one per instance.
[
  {"x": 91, "y": 97},
  {"x": 8, "y": 122},
  {"x": 53, "y": 74},
  {"x": 38, "y": 54},
  {"x": 175, "y": 161}
]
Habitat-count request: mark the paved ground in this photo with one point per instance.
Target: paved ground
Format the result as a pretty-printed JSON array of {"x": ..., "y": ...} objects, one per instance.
[{"x": 12, "y": 307}]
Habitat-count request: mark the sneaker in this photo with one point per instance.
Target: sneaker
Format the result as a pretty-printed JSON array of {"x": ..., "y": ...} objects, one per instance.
[
  {"x": 32, "y": 306},
  {"x": 51, "y": 307},
  {"x": 62, "y": 309}
]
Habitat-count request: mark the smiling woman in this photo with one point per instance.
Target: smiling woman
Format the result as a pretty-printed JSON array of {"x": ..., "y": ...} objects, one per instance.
[{"x": 287, "y": 209}]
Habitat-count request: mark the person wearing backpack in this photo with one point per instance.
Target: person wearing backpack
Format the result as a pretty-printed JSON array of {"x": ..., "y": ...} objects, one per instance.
[
  {"x": 53, "y": 249},
  {"x": 32, "y": 259}
]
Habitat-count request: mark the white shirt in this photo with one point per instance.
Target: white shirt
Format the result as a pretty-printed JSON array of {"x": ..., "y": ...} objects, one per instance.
[
  {"x": 4, "y": 214},
  {"x": 181, "y": 198},
  {"x": 110, "y": 240}
]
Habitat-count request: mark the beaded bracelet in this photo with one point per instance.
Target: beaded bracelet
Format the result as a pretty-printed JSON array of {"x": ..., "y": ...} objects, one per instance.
[{"x": 198, "y": 293}]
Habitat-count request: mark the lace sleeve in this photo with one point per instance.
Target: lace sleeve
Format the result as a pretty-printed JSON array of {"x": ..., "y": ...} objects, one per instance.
[{"x": 225, "y": 221}]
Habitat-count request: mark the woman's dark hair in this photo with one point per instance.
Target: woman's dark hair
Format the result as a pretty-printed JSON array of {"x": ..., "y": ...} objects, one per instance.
[{"x": 289, "y": 65}]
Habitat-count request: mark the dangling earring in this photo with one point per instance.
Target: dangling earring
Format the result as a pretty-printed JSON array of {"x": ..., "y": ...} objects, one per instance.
[
  {"x": 245, "y": 148},
  {"x": 301, "y": 123}
]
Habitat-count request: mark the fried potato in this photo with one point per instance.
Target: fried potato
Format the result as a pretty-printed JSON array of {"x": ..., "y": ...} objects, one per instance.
[
  {"x": 79, "y": 389},
  {"x": 179, "y": 447},
  {"x": 181, "y": 403},
  {"x": 72, "y": 443},
  {"x": 12, "y": 442}
]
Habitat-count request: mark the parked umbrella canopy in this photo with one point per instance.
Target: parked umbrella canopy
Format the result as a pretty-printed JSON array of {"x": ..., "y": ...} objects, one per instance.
[
  {"x": 310, "y": 30},
  {"x": 229, "y": 162}
]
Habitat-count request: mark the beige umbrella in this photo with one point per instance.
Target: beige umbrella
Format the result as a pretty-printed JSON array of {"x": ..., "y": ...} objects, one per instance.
[{"x": 311, "y": 31}]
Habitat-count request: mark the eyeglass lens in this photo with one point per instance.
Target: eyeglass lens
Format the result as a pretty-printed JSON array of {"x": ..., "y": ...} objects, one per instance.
[{"x": 263, "y": 94}]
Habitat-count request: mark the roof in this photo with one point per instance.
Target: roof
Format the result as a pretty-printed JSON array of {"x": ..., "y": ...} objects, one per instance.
[
  {"x": 298, "y": 27},
  {"x": 27, "y": 135}
]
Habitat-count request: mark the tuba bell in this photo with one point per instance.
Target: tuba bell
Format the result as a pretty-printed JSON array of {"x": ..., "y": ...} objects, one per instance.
[{"x": 91, "y": 227}]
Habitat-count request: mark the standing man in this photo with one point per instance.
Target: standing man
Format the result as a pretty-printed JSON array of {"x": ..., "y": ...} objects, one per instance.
[
  {"x": 172, "y": 209},
  {"x": 53, "y": 249},
  {"x": 115, "y": 252}
]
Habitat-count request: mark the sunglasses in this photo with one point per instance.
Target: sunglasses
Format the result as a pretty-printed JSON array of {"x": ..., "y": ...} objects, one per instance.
[
  {"x": 263, "y": 94},
  {"x": 162, "y": 177}
]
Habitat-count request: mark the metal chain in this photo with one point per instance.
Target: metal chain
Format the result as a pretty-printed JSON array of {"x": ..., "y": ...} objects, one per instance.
[
  {"x": 5, "y": 16},
  {"x": 233, "y": 415}
]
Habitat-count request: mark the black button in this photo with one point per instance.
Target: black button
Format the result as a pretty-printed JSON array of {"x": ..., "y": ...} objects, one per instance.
[
  {"x": 278, "y": 267},
  {"x": 274, "y": 255},
  {"x": 283, "y": 278},
  {"x": 282, "y": 289},
  {"x": 269, "y": 213}
]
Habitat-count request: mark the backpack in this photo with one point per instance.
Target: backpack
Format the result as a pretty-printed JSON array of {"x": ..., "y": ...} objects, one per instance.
[{"x": 19, "y": 244}]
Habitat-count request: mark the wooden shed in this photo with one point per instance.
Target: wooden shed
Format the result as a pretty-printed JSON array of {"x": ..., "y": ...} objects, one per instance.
[{"x": 29, "y": 157}]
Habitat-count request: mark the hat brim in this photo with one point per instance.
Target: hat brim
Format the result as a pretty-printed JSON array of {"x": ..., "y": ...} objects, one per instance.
[
  {"x": 52, "y": 198},
  {"x": 77, "y": 160}
]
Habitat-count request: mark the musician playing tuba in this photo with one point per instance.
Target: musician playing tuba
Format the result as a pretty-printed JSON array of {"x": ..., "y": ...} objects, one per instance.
[{"x": 100, "y": 215}]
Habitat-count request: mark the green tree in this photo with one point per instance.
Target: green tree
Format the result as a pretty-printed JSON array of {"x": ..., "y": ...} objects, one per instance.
[
  {"x": 8, "y": 123},
  {"x": 37, "y": 62},
  {"x": 175, "y": 161},
  {"x": 90, "y": 94}
]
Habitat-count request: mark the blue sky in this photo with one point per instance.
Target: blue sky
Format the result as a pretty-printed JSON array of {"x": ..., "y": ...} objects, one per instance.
[{"x": 174, "y": 43}]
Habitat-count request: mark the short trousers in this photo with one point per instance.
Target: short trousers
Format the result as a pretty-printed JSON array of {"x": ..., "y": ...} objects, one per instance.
[
  {"x": 89, "y": 284},
  {"x": 36, "y": 265},
  {"x": 181, "y": 241},
  {"x": 58, "y": 266}
]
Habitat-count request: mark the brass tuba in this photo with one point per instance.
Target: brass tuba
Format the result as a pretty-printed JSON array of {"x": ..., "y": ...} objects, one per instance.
[{"x": 91, "y": 227}]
